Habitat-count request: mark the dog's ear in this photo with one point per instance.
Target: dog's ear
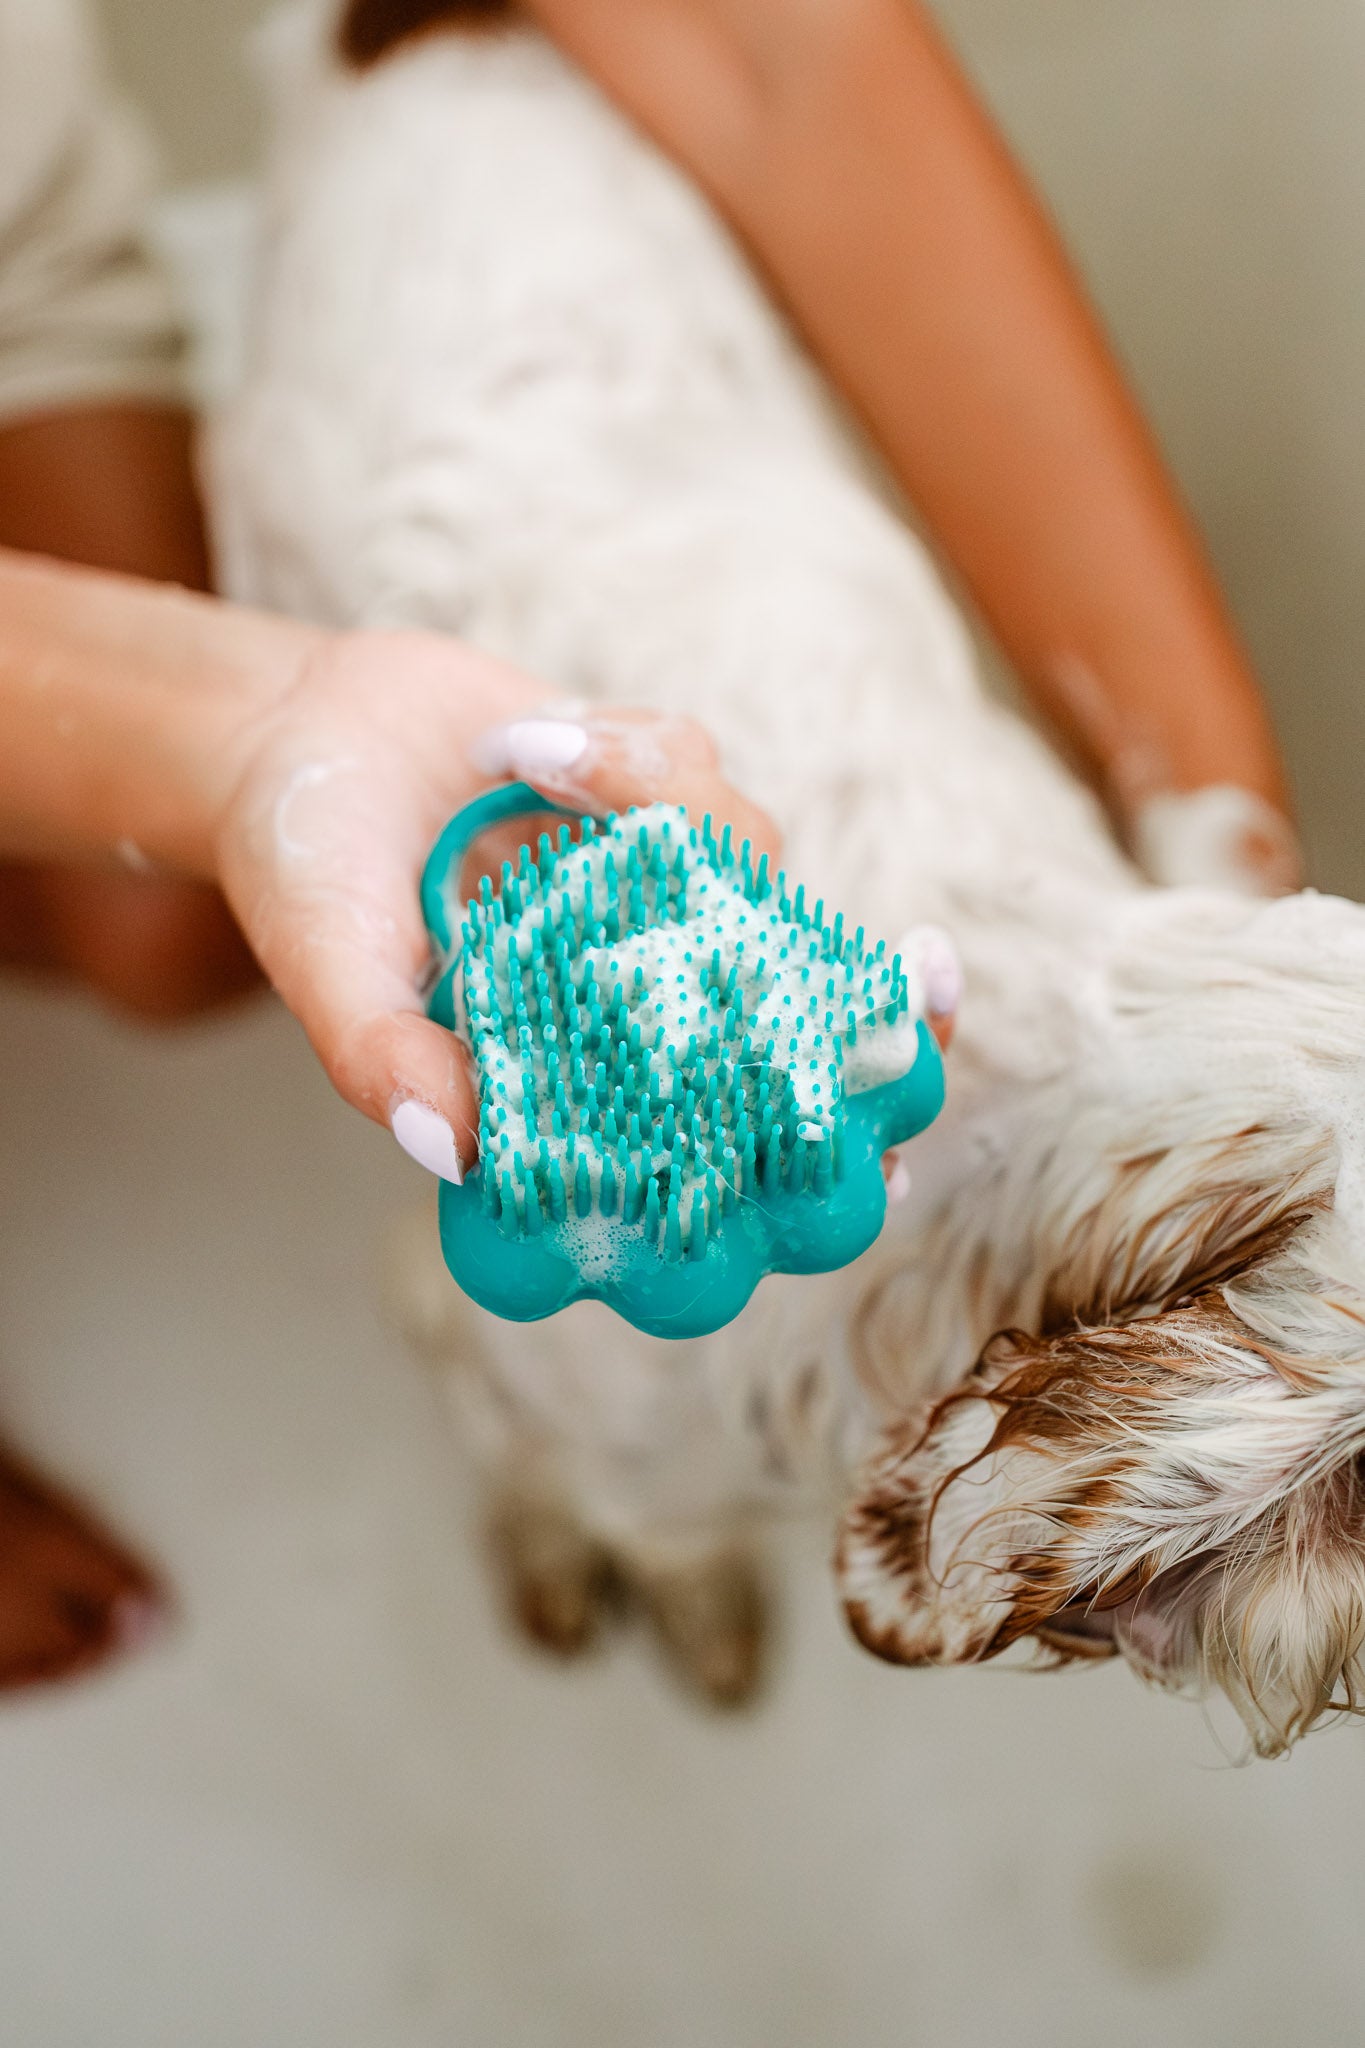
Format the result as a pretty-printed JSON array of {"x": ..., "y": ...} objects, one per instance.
[{"x": 1173, "y": 1488}]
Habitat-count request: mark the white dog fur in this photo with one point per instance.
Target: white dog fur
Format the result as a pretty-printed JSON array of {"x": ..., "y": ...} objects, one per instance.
[{"x": 510, "y": 377}]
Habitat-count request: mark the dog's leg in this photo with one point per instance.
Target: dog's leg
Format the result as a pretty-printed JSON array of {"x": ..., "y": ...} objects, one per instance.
[
  {"x": 555, "y": 1580},
  {"x": 708, "y": 1603},
  {"x": 702, "y": 1591}
]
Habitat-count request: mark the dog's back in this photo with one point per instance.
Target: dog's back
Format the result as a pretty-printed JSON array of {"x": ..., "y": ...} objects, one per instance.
[{"x": 511, "y": 377}]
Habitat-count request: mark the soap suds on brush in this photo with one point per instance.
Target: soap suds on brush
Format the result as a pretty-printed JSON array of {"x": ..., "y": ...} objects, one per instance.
[
  {"x": 602, "y": 1247},
  {"x": 649, "y": 1006}
]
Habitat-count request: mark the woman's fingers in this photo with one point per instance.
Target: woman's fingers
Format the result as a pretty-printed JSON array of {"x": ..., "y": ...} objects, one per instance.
[
  {"x": 425, "y": 1077},
  {"x": 364, "y": 1019},
  {"x": 351, "y": 972},
  {"x": 606, "y": 760},
  {"x": 929, "y": 952},
  {"x": 1217, "y": 837},
  {"x": 325, "y": 887}
]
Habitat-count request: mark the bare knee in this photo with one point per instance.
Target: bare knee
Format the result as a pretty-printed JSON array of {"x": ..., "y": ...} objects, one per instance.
[{"x": 160, "y": 948}]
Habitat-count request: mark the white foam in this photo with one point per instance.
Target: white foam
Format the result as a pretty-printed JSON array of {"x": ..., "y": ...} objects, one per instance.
[
  {"x": 602, "y": 1247},
  {"x": 881, "y": 1055},
  {"x": 790, "y": 996}
]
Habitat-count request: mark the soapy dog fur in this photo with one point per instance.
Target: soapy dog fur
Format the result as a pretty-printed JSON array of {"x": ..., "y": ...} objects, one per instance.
[{"x": 1102, "y": 1383}]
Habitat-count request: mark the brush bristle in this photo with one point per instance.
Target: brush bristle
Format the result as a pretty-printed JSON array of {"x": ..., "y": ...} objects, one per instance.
[{"x": 662, "y": 1031}]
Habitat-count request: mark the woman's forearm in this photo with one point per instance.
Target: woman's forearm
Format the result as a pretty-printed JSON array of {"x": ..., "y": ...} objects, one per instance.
[
  {"x": 120, "y": 695},
  {"x": 124, "y": 707},
  {"x": 843, "y": 144}
]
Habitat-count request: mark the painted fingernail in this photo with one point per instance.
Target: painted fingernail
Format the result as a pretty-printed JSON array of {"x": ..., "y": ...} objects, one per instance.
[
  {"x": 897, "y": 1175},
  {"x": 426, "y": 1137},
  {"x": 530, "y": 748},
  {"x": 940, "y": 969}
]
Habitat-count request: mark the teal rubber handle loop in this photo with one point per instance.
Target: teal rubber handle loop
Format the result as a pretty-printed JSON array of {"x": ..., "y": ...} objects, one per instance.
[
  {"x": 441, "y": 900},
  {"x": 442, "y": 903}
]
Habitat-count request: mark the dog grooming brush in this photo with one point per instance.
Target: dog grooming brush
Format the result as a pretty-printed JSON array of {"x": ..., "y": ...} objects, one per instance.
[{"x": 687, "y": 1078}]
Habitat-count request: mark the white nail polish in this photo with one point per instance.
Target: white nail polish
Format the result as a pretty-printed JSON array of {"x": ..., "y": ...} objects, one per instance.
[
  {"x": 897, "y": 1180},
  {"x": 530, "y": 748},
  {"x": 426, "y": 1137},
  {"x": 935, "y": 955}
]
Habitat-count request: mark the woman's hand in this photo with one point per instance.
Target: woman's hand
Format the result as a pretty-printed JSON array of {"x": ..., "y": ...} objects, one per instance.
[
  {"x": 308, "y": 774},
  {"x": 347, "y": 781}
]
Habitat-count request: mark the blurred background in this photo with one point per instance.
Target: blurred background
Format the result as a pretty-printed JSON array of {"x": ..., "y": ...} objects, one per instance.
[{"x": 337, "y": 1807}]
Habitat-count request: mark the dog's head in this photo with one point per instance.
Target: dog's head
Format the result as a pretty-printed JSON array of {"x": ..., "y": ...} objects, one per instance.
[{"x": 1168, "y": 1461}]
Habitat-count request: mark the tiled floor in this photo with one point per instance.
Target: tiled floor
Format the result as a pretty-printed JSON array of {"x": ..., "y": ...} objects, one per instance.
[{"x": 336, "y": 1810}]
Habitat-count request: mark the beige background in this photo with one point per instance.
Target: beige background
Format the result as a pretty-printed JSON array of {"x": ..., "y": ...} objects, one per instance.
[{"x": 1207, "y": 160}]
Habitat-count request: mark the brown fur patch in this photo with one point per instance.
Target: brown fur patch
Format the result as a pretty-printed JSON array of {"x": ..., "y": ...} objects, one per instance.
[
  {"x": 891, "y": 1521},
  {"x": 1092, "y": 1516},
  {"x": 1224, "y": 1225},
  {"x": 1069, "y": 1395},
  {"x": 369, "y": 29}
]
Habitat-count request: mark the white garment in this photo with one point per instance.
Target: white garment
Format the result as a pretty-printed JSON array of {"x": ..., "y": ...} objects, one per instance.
[{"x": 85, "y": 314}]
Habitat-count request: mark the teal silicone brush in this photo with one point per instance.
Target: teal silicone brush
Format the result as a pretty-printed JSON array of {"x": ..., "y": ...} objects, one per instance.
[{"x": 687, "y": 1078}]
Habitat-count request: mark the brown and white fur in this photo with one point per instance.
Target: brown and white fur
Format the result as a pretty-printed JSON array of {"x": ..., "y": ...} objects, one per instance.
[{"x": 1103, "y": 1381}]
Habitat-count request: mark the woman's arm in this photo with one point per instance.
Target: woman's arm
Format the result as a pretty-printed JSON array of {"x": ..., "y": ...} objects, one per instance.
[
  {"x": 122, "y": 703},
  {"x": 110, "y": 484},
  {"x": 842, "y": 142}
]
